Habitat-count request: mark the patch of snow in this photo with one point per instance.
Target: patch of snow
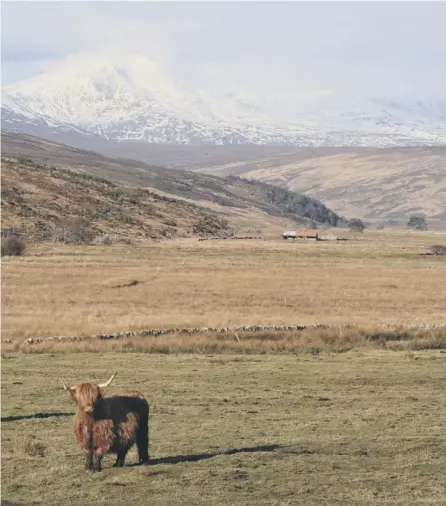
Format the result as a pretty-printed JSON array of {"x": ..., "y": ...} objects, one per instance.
[{"x": 130, "y": 97}]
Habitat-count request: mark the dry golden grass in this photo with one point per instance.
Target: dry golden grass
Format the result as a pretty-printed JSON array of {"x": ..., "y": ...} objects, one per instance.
[{"x": 376, "y": 278}]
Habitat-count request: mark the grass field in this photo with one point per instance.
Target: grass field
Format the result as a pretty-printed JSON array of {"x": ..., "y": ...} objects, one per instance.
[
  {"x": 344, "y": 416},
  {"x": 83, "y": 290},
  {"x": 358, "y": 428}
]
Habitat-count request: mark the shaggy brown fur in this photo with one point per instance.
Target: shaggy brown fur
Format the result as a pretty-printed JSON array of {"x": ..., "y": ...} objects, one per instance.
[{"x": 109, "y": 424}]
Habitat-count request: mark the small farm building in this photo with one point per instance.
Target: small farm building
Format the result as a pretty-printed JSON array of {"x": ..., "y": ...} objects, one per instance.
[{"x": 301, "y": 234}]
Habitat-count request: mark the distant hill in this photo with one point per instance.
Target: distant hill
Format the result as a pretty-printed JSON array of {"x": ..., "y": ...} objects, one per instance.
[
  {"x": 45, "y": 184},
  {"x": 376, "y": 185}
]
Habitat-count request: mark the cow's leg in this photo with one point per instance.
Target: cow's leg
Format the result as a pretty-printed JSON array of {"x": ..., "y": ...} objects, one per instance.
[
  {"x": 89, "y": 460},
  {"x": 97, "y": 463},
  {"x": 120, "y": 459},
  {"x": 142, "y": 441},
  {"x": 97, "y": 459},
  {"x": 89, "y": 447}
]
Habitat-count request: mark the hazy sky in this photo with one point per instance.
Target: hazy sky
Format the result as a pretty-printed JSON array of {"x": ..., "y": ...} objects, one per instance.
[{"x": 367, "y": 48}]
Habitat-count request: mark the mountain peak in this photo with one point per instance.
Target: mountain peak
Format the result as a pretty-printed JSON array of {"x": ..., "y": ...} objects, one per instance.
[
  {"x": 125, "y": 96},
  {"x": 92, "y": 89},
  {"x": 85, "y": 90}
]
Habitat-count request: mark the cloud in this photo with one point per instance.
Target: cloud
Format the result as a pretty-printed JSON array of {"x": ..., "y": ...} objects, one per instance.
[
  {"x": 57, "y": 29},
  {"x": 363, "y": 48}
]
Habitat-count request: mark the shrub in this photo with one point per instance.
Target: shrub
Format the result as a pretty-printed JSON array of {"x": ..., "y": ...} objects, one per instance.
[
  {"x": 417, "y": 223},
  {"x": 211, "y": 225},
  {"x": 13, "y": 245},
  {"x": 438, "y": 249},
  {"x": 104, "y": 239},
  {"x": 356, "y": 225},
  {"x": 127, "y": 240},
  {"x": 75, "y": 231}
]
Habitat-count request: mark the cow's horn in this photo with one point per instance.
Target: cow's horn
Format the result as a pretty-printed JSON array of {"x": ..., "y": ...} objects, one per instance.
[
  {"x": 103, "y": 385},
  {"x": 65, "y": 386}
]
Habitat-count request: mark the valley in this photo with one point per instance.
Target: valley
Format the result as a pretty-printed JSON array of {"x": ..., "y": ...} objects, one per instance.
[
  {"x": 381, "y": 186},
  {"x": 45, "y": 184},
  {"x": 377, "y": 159}
]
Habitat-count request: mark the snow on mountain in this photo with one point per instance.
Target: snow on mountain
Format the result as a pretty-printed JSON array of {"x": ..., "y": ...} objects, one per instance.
[
  {"x": 96, "y": 92},
  {"x": 129, "y": 97}
]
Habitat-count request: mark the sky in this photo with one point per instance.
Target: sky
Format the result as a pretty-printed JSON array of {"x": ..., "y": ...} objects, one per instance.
[{"x": 373, "y": 49}]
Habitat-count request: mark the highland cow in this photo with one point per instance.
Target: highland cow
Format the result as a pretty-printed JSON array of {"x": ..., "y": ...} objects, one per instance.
[{"x": 109, "y": 424}]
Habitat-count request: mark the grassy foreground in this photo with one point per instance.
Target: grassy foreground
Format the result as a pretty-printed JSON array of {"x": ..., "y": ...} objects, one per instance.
[
  {"x": 266, "y": 418},
  {"x": 365, "y": 427}
]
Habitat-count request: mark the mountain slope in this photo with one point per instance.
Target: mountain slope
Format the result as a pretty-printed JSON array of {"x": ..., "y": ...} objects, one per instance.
[
  {"x": 372, "y": 184},
  {"x": 127, "y": 97},
  {"x": 244, "y": 205},
  {"x": 57, "y": 204}
]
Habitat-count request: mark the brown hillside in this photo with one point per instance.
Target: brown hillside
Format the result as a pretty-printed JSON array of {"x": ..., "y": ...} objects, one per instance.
[
  {"x": 249, "y": 207},
  {"x": 60, "y": 204}
]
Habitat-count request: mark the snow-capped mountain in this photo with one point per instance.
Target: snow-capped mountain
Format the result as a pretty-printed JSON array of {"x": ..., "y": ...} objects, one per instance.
[{"x": 131, "y": 98}]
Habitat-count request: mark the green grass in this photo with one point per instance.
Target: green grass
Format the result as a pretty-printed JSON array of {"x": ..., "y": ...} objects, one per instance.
[{"x": 366, "y": 427}]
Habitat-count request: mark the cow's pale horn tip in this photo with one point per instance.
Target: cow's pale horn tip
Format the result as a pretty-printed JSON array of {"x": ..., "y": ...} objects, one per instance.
[{"x": 103, "y": 385}]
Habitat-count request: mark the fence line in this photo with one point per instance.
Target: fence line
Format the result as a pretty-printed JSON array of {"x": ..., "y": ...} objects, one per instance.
[{"x": 198, "y": 330}]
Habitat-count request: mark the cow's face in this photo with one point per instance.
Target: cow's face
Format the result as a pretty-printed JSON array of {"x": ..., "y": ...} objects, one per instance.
[{"x": 87, "y": 395}]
